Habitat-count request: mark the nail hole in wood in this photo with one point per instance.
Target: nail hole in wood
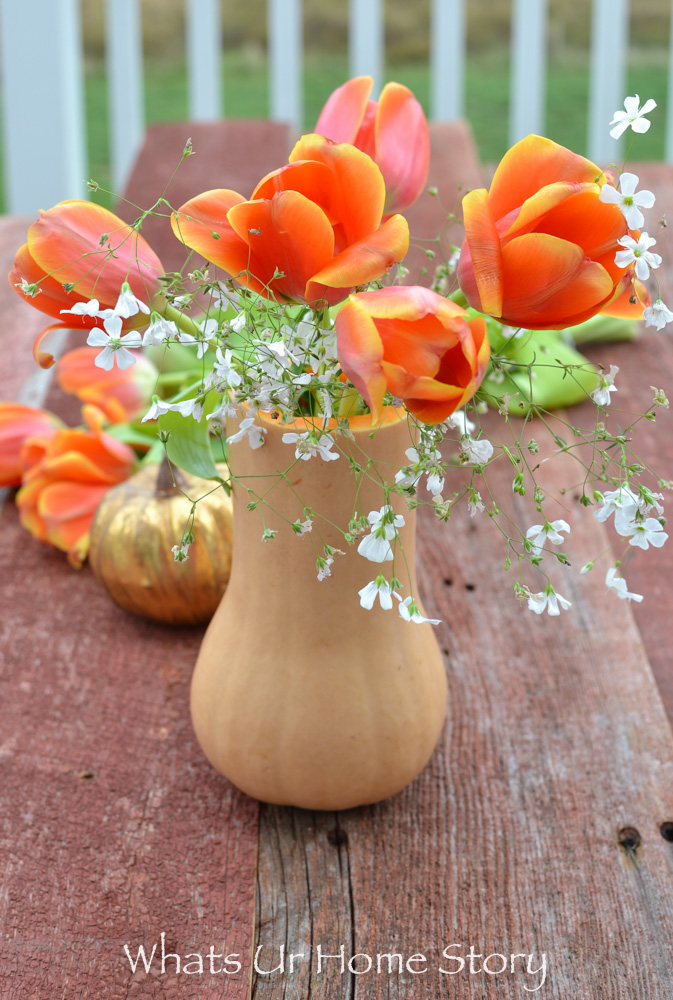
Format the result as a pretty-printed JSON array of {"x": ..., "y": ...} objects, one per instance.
[
  {"x": 445, "y": 651},
  {"x": 448, "y": 581},
  {"x": 337, "y": 837},
  {"x": 666, "y": 830},
  {"x": 86, "y": 775},
  {"x": 469, "y": 586},
  {"x": 629, "y": 838}
]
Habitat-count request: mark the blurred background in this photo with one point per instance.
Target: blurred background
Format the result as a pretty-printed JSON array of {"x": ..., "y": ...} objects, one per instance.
[{"x": 245, "y": 72}]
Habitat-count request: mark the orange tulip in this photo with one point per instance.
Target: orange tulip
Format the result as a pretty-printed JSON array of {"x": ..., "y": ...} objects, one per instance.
[
  {"x": 310, "y": 232},
  {"x": 17, "y": 424},
  {"x": 393, "y": 131},
  {"x": 122, "y": 394},
  {"x": 66, "y": 246},
  {"x": 65, "y": 478},
  {"x": 540, "y": 246},
  {"x": 421, "y": 347}
]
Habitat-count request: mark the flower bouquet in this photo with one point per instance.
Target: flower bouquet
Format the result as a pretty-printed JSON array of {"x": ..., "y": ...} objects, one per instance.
[{"x": 342, "y": 399}]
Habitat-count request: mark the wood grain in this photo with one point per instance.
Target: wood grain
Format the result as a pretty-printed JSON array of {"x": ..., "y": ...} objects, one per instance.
[{"x": 518, "y": 837}]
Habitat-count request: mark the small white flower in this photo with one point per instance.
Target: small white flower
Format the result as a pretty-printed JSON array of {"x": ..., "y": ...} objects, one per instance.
[
  {"x": 224, "y": 369},
  {"x": 384, "y": 524},
  {"x": 128, "y": 304},
  {"x": 237, "y": 323},
  {"x": 159, "y": 331},
  {"x": 548, "y": 600},
  {"x": 409, "y": 611},
  {"x": 255, "y": 433},
  {"x": 657, "y": 315},
  {"x": 114, "y": 348},
  {"x": 475, "y": 452},
  {"x": 458, "y": 421},
  {"x": 633, "y": 116},
  {"x": 180, "y": 552},
  {"x": 308, "y": 445},
  {"x": 324, "y": 565},
  {"x": 618, "y": 583},
  {"x": 158, "y": 407},
  {"x": 30, "y": 288},
  {"x": 90, "y": 308},
  {"x": 540, "y": 534},
  {"x": 474, "y": 504},
  {"x": 604, "y": 386},
  {"x": 628, "y": 200},
  {"x": 302, "y": 528},
  {"x": 377, "y": 588},
  {"x": 615, "y": 500},
  {"x": 643, "y": 533},
  {"x": 660, "y": 397},
  {"x": 638, "y": 251}
]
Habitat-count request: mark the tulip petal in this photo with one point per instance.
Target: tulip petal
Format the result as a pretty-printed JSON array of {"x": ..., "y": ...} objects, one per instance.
[
  {"x": 587, "y": 221},
  {"x": 402, "y": 146},
  {"x": 368, "y": 258},
  {"x": 43, "y": 358},
  {"x": 342, "y": 115},
  {"x": 531, "y": 164},
  {"x": 66, "y": 241},
  {"x": 534, "y": 211},
  {"x": 289, "y": 234},
  {"x": 51, "y": 297},
  {"x": 480, "y": 271},
  {"x": 360, "y": 354},
  {"x": 195, "y": 222},
  {"x": 547, "y": 280},
  {"x": 621, "y": 306},
  {"x": 359, "y": 189}
]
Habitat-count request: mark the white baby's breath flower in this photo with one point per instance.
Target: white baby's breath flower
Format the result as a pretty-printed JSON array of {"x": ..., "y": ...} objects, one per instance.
[
  {"x": 642, "y": 534},
  {"x": 618, "y": 583},
  {"x": 628, "y": 199},
  {"x": 474, "y": 452},
  {"x": 657, "y": 315},
  {"x": 638, "y": 251},
  {"x": 633, "y": 116},
  {"x": 474, "y": 504},
  {"x": 409, "y": 611},
  {"x": 378, "y": 588},
  {"x": 254, "y": 431},
  {"x": 384, "y": 524},
  {"x": 90, "y": 308},
  {"x": 160, "y": 331},
  {"x": 128, "y": 304},
  {"x": 604, "y": 386},
  {"x": 548, "y": 600},
  {"x": 114, "y": 348},
  {"x": 540, "y": 534}
]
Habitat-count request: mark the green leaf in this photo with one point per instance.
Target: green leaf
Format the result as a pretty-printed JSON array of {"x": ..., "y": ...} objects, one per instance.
[{"x": 189, "y": 443}]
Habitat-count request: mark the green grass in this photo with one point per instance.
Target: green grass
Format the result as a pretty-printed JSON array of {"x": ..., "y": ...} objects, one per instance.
[{"x": 245, "y": 95}]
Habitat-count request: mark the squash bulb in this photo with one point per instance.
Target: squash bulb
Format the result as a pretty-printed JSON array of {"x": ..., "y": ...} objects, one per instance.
[{"x": 132, "y": 535}]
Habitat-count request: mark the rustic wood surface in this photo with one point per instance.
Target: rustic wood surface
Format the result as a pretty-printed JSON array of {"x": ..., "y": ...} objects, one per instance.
[{"x": 537, "y": 826}]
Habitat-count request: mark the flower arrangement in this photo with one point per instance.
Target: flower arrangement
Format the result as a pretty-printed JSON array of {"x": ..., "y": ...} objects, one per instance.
[{"x": 300, "y": 319}]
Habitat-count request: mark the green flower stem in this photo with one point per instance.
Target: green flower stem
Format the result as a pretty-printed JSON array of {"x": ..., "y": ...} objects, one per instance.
[
  {"x": 459, "y": 298},
  {"x": 182, "y": 322}
]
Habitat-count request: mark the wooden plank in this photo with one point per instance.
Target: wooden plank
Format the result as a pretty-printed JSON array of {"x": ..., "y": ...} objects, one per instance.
[
  {"x": 447, "y": 59},
  {"x": 43, "y": 103},
  {"x": 124, "y": 59},
  {"x": 366, "y": 41},
  {"x": 228, "y": 154},
  {"x": 649, "y": 363},
  {"x": 529, "y": 69},
  {"x": 518, "y": 837},
  {"x": 204, "y": 60},
  {"x": 114, "y": 828}
]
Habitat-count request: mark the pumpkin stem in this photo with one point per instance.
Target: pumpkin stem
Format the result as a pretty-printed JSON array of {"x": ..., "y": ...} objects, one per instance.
[{"x": 168, "y": 478}]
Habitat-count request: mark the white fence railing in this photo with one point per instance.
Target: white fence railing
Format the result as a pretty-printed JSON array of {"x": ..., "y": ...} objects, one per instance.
[{"x": 44, "y": 148}]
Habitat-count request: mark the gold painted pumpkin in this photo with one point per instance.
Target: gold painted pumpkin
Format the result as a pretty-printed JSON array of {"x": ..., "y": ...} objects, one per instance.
[{"x": 134, "y": 530}]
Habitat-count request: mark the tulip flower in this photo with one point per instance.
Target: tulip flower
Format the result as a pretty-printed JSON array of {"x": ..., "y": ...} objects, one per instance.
[
  {"x": 65, "y": 478},
  {"x": 310, "y": 232},
  {"x": 77, "y": 252},
  {"x": 121, "y": 394},
  {"x": 17, "y": 424},
  {"x": 417, "y": 345},
  {"x": 540, "y": 245},
  {"x": 393, "y": 131}
]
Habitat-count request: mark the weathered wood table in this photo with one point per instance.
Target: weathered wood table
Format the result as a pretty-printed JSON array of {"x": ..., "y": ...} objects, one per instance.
[{"x": 542, "y": 827}]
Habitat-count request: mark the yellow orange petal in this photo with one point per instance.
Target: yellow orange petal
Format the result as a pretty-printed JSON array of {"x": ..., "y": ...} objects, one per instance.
[
  {"x": 481, "y": 260},
  {"x": 532, "y": 164},
  {"x": 368, "y": 258},
  {"x": 360, "y": 354},
  {"x": 197, "y": 220}
]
